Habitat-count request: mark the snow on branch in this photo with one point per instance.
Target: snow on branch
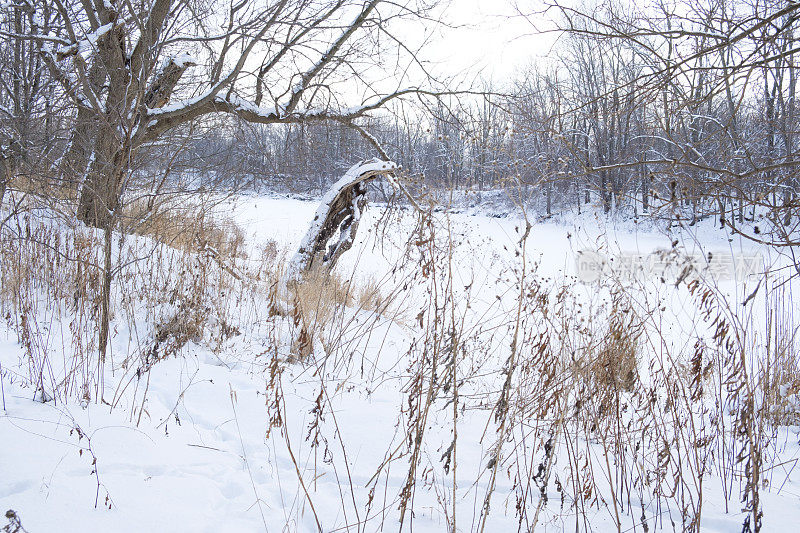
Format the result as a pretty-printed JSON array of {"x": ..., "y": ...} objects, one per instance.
[
  {"x": 339, "y": 212},
  {"x": 180, "y": 112},
  {"x": 85, "y": 45}
]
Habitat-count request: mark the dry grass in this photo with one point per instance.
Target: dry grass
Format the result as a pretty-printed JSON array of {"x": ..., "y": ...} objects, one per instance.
[
  {"x": 270, "y": 253},
  {"x": 780, "y": 383},
  {"x": 315, "y": 301},
  {"x": 52, "y": 274},
  {"x": 320, "y": 293},
  {"x": 610, "y": 353},
  {"x": 44, "y": 188},
  {"x": 190, "y": 229},
  {"x": 369, "y": 295},
  {"x": 49, "y": 274},
  {"x": 172, "y": 335},
  {"x": 779, "y": 376},
  {"x": 571, "y": 389},
  {"x": 321, "y": 298},
  {"x": 615, "y": 366}
]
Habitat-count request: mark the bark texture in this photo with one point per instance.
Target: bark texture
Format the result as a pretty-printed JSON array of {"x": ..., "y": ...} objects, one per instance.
[
  {"x": 3, "y": 178},
  {"x": 335, "y": 224}
]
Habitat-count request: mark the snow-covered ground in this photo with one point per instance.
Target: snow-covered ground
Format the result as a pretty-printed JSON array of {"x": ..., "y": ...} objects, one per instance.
[{"x": 202, "y": 445}]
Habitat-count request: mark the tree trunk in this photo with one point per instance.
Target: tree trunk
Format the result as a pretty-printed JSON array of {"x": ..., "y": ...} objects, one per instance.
[
  {"x": 75, "y": 162},
  {"x": 99, "y": 196},
  {"x": 549, "y": 198},
  {"x": 337, "y": 216},
  {"x": 100, "y": 193},
  {"x": 4, "y": 177}
]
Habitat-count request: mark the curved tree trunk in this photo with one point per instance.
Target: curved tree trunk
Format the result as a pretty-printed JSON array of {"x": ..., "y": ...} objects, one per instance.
[
  {"x": 332, "y": 233},
  {"x": 334, "y": 227}
]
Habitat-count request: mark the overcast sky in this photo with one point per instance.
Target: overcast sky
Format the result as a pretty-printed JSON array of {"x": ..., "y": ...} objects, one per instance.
[{"x": 492, "y": 38}]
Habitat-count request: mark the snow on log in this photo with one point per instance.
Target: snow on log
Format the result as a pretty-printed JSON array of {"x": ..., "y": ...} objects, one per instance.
[{"x": 336, "y": 219}]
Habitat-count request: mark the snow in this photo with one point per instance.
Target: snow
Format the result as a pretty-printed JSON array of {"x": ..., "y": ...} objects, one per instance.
[
  {"x": 200, "y": 455},
  {"x": 250, "y": 107},
  {"x": 185, "y": 59},
  {"x": 176, "y": 106},
  {"x": 239, "y": 103},
  {"x": 91, "y": 39}
]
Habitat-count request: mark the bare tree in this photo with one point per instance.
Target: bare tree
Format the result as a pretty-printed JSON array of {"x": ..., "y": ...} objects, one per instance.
[
  {"x": 670, "y": 99},
  {"x": 128, "y": 75},
  {"x": 27, "y": 114},
  {"x": 134, "y": 71}
]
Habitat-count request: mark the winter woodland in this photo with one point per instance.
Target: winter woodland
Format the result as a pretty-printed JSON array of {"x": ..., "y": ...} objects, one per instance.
[{"x": 277, "y": 265}]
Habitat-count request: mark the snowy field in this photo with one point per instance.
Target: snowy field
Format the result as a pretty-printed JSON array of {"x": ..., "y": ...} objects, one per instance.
[{"x": 229, "y": 437}]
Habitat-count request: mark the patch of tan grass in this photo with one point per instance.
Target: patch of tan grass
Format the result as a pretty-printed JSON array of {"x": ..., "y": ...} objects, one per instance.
[
  {"x": 369, "y": 295},
  {"x": 187, "y": 228},
  {"x": 320, "y": 297},
  {"x": 780, "y": 383},
  {"x": 43, "y": 187},
  {"x": 616, "y": 363},
  {"x": 610, "y": 364},
  {"x": 779, "y": 368}
]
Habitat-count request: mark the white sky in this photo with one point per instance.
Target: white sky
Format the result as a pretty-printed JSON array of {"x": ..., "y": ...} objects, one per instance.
[{"x": 493, "y": 39}]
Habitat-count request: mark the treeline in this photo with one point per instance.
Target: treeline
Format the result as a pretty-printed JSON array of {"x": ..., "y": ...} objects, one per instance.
[
  {"x": 690, "y": 110},
  {"x": 695, "y": 111}
]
